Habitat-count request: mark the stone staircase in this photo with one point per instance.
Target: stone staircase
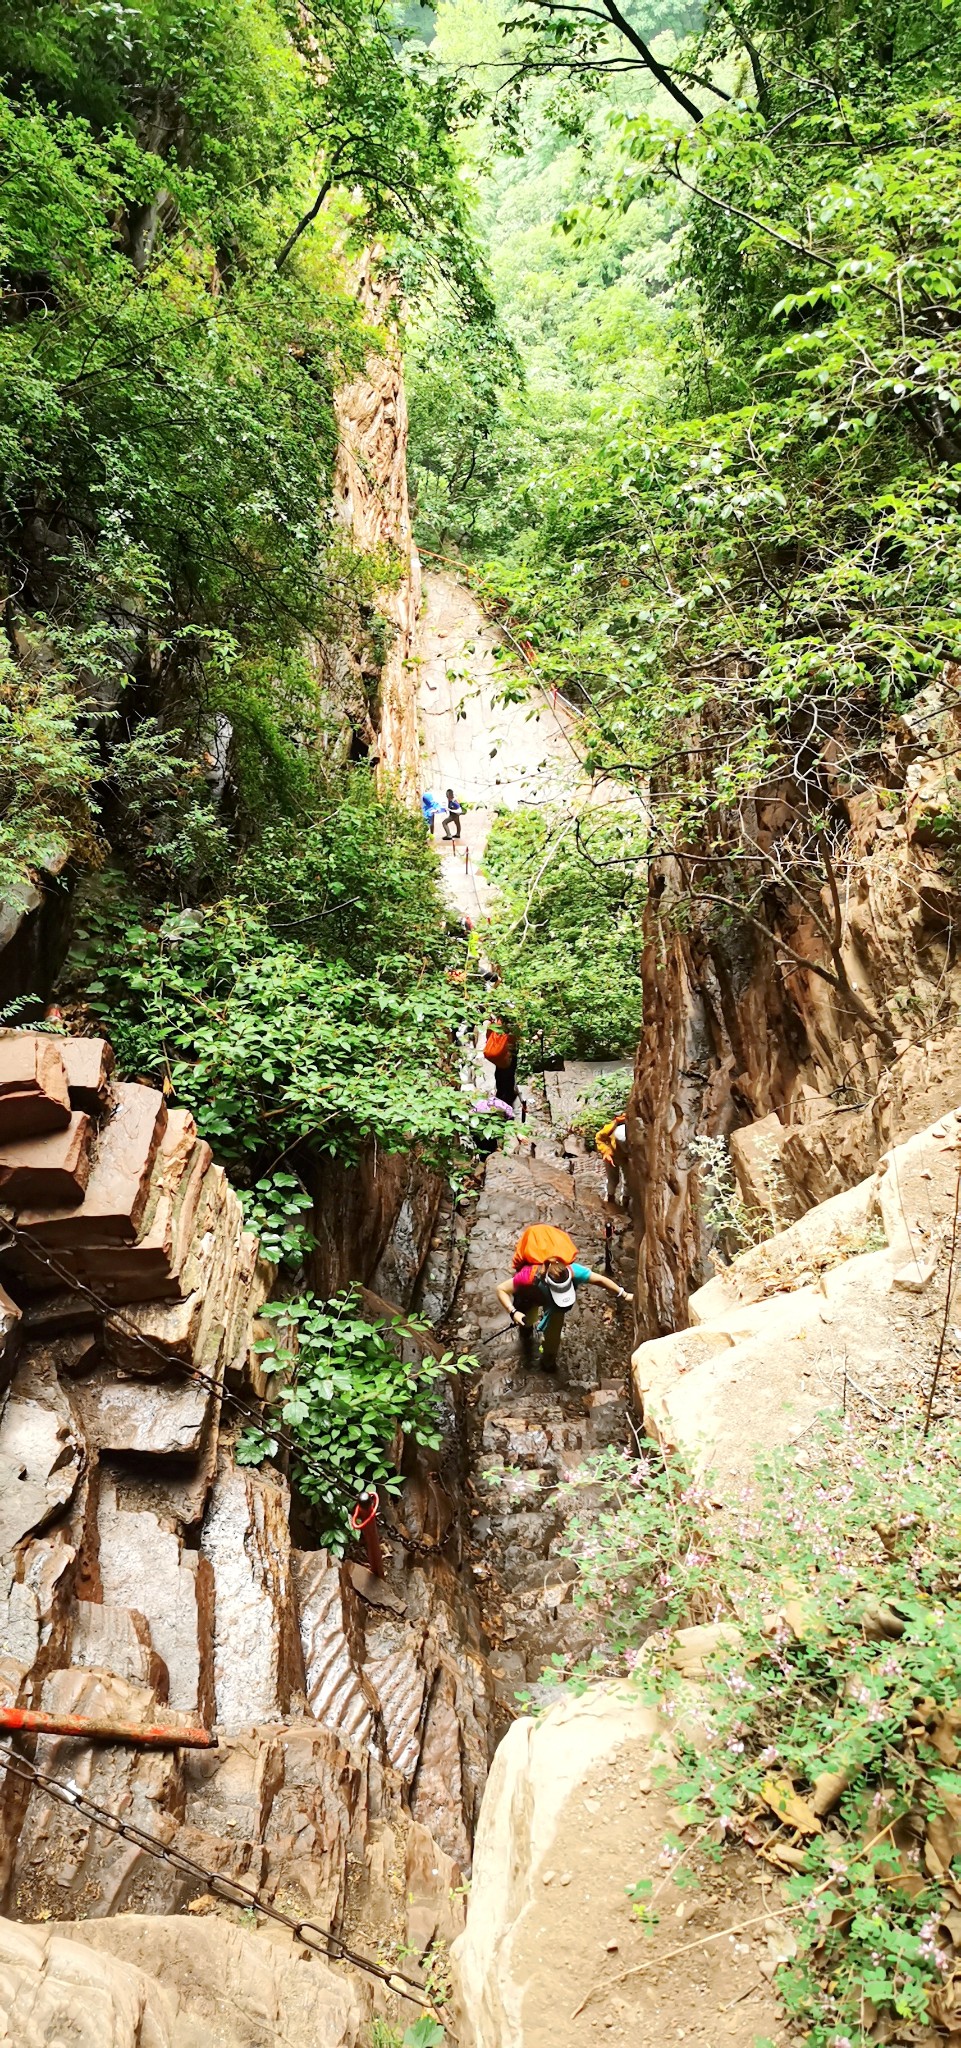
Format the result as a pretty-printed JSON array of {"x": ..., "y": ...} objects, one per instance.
[{"x": 532, "y": 1432}]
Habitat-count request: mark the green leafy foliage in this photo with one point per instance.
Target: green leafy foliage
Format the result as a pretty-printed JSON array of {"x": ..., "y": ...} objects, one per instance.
[
  {"x": 176, "y": 314},
  {"x": 564, "y": 932},
  {"x": 345, "y": 1394},
  {"x": 834, "y": 1717},
  {"x": 744, "y": 568},
  {"x": 273, "y": 1014},
  {"x": 277, "y": 1208}
]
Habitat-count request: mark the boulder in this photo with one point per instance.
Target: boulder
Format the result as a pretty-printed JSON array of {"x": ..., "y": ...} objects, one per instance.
[
  {"x": 141, "y": 1982},
  {"x": 817, "y": 1317},
  {"x": 51, "y": 1170},
  {"x": 89, "y": 1065},
  {"x": 571, "y": 1816},
  {"x": 34, "y": 1096},
  {"x": 113, "y": 1206}
]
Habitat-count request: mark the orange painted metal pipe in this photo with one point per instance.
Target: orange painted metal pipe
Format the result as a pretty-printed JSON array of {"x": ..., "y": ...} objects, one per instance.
[{"x": 25, "y": 1721}]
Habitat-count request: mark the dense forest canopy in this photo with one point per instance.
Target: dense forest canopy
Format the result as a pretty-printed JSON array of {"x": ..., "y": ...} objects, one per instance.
[
  {"x": 189, "y": 188},
  {"x": 680, "y": 298},
  {"x": 720, "y": 493}
]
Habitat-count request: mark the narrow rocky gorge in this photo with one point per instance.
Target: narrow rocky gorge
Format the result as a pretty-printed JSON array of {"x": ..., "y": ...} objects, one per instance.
[{"x": 149, "y": 1578}]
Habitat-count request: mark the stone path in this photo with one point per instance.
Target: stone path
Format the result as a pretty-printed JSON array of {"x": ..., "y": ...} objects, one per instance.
[
  {"x": 490, "y": 753},
  {"x": 530, "y": 1432}
]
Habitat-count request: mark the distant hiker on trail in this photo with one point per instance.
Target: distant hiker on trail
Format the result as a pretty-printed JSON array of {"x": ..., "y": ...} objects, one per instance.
[
  {"x": 430, "y": 805},
  {"x": 500, "y": 1047},
  {"x": 452, "y": 816},
  {"x": 611, "y": 1143},
  {"x": 544, "y": 1287},
  {"x": 491, "y": 1105}
]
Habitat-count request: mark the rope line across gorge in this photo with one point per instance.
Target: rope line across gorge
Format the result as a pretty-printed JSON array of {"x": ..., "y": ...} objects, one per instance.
[
  {"x": 168, "y": 1359},
  {"x": 321, "y": 1940}
]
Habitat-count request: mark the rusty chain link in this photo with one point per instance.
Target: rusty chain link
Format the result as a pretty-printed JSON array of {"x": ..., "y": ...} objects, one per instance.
[{"x": 321, "y": 1940}]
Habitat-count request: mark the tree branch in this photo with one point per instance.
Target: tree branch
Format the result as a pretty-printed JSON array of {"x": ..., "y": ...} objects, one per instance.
[
  {"x": 760, "y": 82},
  {"x": 647, "y": 55},
  {"x": 311, "y": 214}
]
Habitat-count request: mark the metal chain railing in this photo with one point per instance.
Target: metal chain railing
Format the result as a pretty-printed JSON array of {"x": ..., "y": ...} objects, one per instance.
[{"x": 321, "y": 1940}]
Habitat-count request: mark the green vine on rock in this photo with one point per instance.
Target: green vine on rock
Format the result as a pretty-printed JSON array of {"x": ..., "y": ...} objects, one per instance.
[{"x": 344, "y": 1389}]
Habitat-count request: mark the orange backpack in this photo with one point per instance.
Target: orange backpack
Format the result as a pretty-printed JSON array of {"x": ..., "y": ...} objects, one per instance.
[
  {"x": 540, "y": 1242},
  {"x": 499, "y": 1048}
]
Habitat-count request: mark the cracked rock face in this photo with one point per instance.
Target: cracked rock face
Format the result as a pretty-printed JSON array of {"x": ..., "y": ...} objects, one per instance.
[
  {"x": 731, "y": 1043},
  {"x": 41, "y": 1456},
  {"x": 246, "y": 1544},
  {"x": 145, "y": 1576}
]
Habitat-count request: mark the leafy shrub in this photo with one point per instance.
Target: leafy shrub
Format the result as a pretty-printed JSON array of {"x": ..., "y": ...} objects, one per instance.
[
  {"x": 344, "y": 1393},
  {"x": 276, "y": 1208},
  {"x": 272, "y": 1045},
  {"x": 317, "y": 1005},
  {"x": 834, "y": 1720},
  {"x": 565, "y": 934}
]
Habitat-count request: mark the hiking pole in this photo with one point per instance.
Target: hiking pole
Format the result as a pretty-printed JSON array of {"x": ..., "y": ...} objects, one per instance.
[
  {"x": 608, "y": 1248},
  {"x": 491, "y": 1334}
]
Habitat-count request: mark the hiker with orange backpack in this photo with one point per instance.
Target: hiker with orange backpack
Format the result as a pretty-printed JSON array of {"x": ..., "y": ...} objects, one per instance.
[
  {"x": 500, "y": 1047},
  {"x": 543, "y": 1288}
]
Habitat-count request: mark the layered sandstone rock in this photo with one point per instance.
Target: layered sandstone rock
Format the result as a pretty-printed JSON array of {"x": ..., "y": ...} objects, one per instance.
[
  {"x": 139, "y": 1982},
  {"x": 733, "y": 1041},
  {"x": 34, "y": 1093},
  {"x": 145, "y": 1576},
  {"x": 840, "y": 1311}
]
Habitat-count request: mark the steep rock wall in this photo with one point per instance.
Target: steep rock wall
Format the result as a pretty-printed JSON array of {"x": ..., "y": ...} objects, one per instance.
[
  {"x": 371, "y": 495},
  {"x": 735, "y": 1037},
  {"x": 146, "y": 1575},
  {"x": 373, "y": 1222}
]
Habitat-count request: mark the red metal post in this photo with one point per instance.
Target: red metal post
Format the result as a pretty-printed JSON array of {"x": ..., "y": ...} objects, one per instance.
[{"x": 26, "y": 1721}]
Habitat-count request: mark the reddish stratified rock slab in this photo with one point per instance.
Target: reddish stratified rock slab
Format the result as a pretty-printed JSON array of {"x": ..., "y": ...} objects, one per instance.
[
  {"x": 89, "y": 1065},
  {"x": 182, "y": 1180},
  {"x": 51, "y": 1171},
  {"x": 33, "y": 1085},
  {"x": 117, "y": 1191}
]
